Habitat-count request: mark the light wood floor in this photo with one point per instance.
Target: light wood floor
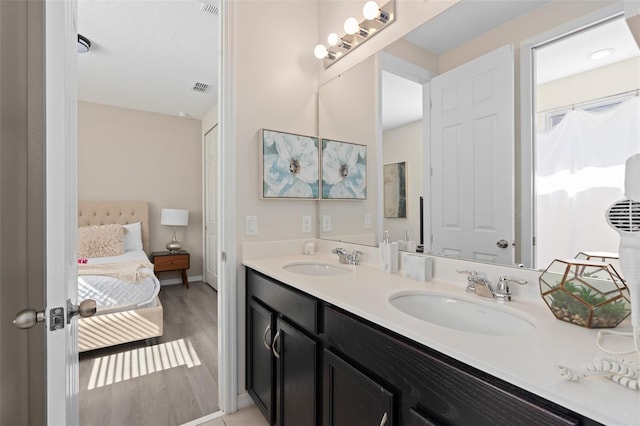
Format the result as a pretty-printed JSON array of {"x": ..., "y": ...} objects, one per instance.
[{"x": 174, "y": 395}]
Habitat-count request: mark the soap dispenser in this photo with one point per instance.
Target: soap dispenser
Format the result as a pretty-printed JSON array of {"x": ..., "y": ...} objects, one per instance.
[{"x": 388, "y": 254}]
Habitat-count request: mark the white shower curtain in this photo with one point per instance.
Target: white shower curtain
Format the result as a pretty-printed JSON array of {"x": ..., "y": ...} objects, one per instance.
[{"x": 579, "y": 174}]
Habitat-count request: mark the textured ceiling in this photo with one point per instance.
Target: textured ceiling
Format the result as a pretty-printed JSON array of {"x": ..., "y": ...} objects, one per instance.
[{"x": 148, "y": 55}]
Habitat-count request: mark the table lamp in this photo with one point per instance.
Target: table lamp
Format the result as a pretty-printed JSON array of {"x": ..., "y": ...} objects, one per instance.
[{"x": 174, "y": 217}]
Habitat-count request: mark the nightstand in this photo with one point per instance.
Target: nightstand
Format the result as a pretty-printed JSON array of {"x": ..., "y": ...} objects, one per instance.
[{"x": 163, "y": 261}]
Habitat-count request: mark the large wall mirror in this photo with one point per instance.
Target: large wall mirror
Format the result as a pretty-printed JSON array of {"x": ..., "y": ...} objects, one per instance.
[{"x": 386, "y": 103}]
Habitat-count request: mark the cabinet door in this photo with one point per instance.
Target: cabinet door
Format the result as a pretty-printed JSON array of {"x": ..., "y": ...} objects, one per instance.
[
  {"x": 296, "y": 384},
  {"x": 352, "y": 398},
  {"x": 260, "y": 365}
]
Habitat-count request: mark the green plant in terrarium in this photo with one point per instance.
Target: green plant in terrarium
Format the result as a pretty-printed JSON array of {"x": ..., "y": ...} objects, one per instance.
[{"x": 583, "y": 305}]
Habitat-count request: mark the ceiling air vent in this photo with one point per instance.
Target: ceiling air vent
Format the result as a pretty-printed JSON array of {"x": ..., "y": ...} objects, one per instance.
[
  {"x": 211, "y": 8},
  {"x": 200, "y": 87}
]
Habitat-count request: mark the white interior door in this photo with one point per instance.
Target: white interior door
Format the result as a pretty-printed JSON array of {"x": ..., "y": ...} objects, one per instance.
[
  {"x": 61, "y": 209},
  {"x": 211, "y": 203},
  {"x": 472, "y": 158}
]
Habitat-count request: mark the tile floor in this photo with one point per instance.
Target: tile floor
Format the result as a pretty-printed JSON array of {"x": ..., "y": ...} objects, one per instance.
[{"x": 249, "y": 416}]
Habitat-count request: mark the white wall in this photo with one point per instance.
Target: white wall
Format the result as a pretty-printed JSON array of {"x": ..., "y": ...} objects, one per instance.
[
  {"x": 132, "y": 155},
  {"x": 276, "y": 83},
  {"x": 347, "y": 113}
]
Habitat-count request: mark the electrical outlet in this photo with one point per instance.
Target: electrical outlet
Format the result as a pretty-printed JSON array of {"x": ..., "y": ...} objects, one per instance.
[
  {"x": 367, "y": 220},
  {"x": 306, "y": 224},
  {"x": 251, "y": 225},
  {"x": 326, "y": 223}
]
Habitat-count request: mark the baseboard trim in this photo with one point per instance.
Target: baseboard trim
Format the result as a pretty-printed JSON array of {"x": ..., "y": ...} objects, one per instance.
[
  {"x": 204, "y": 419},
  {"x": 244, "y": 401},
  {"x": 173, "y": 281}
]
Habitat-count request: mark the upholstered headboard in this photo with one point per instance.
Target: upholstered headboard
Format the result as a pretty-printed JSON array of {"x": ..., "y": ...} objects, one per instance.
[{"x": 121, "y": 212}]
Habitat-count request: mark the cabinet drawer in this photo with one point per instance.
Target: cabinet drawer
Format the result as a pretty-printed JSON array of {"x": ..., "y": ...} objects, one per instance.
[
  {"x": 297, "y": 307},
  {"x": 447, "y": 391},
  {"x": 171, "y": 262}
]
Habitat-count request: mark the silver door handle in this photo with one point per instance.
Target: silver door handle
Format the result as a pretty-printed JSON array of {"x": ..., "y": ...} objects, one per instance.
[
  {"x": 264, "y": 337},
  {"x": 383, "y": 421},
  {"x": 86, "y": 309},
  {"x": 502, "y": 243},
  {"x": 27, "y": 318},
  {"x": 274, "y": 349}
]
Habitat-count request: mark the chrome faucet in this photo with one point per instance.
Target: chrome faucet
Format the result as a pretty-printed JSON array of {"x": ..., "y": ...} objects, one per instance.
[
  {"x": 481, "y": 286},
  {"x": 352, "y": 258}
]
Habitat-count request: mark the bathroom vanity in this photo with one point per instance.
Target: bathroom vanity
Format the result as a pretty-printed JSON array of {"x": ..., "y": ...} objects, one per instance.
[{"x": 332, "y": 350}]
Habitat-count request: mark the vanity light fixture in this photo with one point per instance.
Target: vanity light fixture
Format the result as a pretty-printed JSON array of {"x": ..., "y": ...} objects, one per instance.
[
  {"x": 600, "y": 54},
  {"x": 375, "y": 19},
  {"x": 372, "y": 11},
  {"x": 322, "y": 52},
  {"x": 335, "y": 40},
  {"x": 352, "y": 26}
]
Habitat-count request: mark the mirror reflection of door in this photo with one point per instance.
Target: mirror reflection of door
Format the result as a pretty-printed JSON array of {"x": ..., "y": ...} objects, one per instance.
[
  {"x": 472, "y": 159},
  {"x": 586, "y": 102}
]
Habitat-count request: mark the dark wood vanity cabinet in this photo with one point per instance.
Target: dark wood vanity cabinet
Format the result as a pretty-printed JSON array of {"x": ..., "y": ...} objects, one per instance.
[
  {"x": 282, "y": 353},
  {"x": 333, "y": 368},
  {"x": 351, "y": 397}
]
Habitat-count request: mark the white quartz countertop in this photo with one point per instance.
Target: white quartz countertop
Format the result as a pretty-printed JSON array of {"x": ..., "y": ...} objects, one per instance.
[{"x": 528, "y": 361}]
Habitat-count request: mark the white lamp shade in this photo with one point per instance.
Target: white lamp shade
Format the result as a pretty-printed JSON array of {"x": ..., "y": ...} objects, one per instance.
[{"x": 174, "y": 217}]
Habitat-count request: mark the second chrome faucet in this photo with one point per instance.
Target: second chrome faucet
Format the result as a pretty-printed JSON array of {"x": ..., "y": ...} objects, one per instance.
[
  {"x": 482, "y": 286},
  {"x": 352, "y": 258}
]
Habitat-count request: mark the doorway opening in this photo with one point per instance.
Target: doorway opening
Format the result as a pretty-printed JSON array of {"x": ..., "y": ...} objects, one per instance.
[{"x": 585, "y": 101}]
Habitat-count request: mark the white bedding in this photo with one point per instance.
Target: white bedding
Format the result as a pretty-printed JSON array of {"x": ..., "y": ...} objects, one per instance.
[{"x": 112, "y": 294}]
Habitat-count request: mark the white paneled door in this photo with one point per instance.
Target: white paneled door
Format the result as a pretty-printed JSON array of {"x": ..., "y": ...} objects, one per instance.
[
  {"x": 211, "y": 206},
  {"x": 472, "y": 157},
  {"x": 61, "y": 210}
]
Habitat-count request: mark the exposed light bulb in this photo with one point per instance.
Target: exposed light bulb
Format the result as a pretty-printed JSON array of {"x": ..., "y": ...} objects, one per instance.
[
  {"x": 320, "y": 51},
  {"x": 351, "y": 26},
  {"x": 371, "y": 10},
  {"x": 333, "y": 39}
]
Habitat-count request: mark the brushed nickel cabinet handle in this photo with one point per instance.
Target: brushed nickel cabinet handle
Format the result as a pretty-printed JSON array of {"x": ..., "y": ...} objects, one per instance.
[
  {"x": 274, "y": 349},
  {"x": 264, "y": 337}
]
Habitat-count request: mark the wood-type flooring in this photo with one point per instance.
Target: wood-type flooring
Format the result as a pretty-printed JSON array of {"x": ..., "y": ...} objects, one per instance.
[{"x": 186, "y": 386}]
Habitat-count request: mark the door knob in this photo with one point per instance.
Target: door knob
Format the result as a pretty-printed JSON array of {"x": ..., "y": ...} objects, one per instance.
[
  {"x": 86, "y": 309},
  {"x": 27, "y": 318},
  {"x": 502, "y": 243}
]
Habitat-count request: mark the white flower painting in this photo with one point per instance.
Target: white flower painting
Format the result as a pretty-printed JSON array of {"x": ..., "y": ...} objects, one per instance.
[
  {"x": 290, "y": 166},
  {"x": 344, "y": 170}
]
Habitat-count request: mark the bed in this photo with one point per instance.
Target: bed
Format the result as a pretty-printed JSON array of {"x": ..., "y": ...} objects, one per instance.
[{"x": 123, "y": 285}]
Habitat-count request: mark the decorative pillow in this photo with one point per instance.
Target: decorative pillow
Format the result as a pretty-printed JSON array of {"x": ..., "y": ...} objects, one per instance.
[
  {"x": 100, "y": 241},
  {"x": 132, "y": 236}
]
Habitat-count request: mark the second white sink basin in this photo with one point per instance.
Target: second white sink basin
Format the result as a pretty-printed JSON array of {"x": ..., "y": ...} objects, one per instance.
[
  {"x": 316, "y": 269},
  {"x": 463, "y": 315}
]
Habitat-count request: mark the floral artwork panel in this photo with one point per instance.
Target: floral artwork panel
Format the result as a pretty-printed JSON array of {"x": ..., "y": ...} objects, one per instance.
[
  {"x": 290, "y": 166},
  {"x": 344, "y": 170}
]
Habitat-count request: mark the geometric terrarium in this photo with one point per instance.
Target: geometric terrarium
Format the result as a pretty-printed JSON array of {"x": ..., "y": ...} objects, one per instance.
[{"x": 585, "y": 292}]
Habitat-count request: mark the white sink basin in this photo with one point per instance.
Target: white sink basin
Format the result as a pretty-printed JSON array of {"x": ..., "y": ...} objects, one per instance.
[
  {"x": 465, "y": 315},
  {"x": 316, "y": 269}
]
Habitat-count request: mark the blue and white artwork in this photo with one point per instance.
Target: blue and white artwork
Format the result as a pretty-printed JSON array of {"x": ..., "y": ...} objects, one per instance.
[
  {"x": 344, "y": 170},
  {"x": 290, "y": 165}
]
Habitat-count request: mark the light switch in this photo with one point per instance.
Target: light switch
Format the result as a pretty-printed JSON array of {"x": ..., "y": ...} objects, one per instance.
[
  {"x": 251, "y": 225},
  {"x": 326, "y": 223},
  {"x": 306, "y": 224},
  {"x": 367, "y": 220}
]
